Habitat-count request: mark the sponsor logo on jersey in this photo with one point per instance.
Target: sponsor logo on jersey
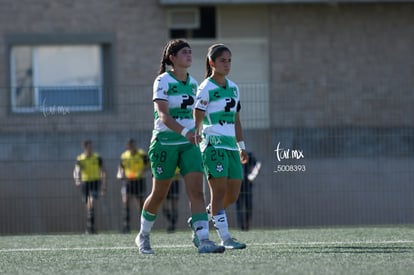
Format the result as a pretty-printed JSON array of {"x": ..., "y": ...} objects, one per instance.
[{"x": 214, "y": 140}]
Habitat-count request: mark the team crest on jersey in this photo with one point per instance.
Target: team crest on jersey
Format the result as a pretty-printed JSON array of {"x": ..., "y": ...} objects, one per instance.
[
  {"x": 234, "y": 91},
  {"x": 159, "y": 170},
  {"x": 219, "y": 167}
]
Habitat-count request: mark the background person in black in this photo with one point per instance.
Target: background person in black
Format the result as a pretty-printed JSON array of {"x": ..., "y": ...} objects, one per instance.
[
  {"x": 244, "y": 204},
  {"x": 90, "y": 175},
  {"x": 131, "y": 171}
]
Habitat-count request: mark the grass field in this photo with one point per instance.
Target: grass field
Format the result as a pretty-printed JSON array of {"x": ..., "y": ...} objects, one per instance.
[{"x": 366, "y": 250}]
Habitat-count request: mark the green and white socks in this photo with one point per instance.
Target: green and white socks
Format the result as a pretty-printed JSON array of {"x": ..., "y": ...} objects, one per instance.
[
  {"x": 147, "y": 221},
  {"x": 200, "y": 225},
  {"x": 221, "y": 225}
]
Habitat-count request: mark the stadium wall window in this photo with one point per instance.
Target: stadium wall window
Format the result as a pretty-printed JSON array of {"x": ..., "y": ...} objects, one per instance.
[
  {"x": 204, "y": 28},
  {"x": 69, "y": 75}
]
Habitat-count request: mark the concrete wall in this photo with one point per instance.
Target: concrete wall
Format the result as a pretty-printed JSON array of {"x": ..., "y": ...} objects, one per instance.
[
  {"x": 139, "y": 32},
  {"x": 336, "y": 65}
]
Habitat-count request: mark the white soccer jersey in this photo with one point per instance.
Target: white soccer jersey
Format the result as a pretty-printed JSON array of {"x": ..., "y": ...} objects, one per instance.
[
  {"x": 181, "y": 98},
  {"x": 220, "y": 106}
]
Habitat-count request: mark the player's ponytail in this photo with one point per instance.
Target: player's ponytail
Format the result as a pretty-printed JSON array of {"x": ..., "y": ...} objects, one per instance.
[
  {"x": 213, "y": 52},
  {"x": 162, "y": 62},
  {"x": 208, "y": 68},
  {"x": 171, "y": 48}
]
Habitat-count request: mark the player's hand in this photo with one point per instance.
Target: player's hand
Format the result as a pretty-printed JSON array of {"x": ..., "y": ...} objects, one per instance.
[
  {"x": 78, "y": 182},
  {"x": 244, "y": 157},
  {"x": 193, "y": 137}
]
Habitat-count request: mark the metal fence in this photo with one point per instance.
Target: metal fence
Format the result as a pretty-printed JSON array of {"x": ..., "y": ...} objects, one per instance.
[{"x": 310, "y": 175}]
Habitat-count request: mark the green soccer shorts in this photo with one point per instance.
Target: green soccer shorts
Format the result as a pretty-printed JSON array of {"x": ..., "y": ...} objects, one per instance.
[
  {"x": 222, "y": 163},
  {"x": 166, "y": 158}
]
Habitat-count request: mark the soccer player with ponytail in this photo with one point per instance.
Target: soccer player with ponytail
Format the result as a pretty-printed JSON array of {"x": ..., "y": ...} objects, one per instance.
[
  {"x": 173, "y": 144},
  {"x": 223, "y": 150}
]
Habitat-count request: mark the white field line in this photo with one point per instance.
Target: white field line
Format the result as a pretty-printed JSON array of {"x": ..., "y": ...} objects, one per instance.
[
  {"x": 385, "y": 242},
  {"x": 379, "y": 242}
]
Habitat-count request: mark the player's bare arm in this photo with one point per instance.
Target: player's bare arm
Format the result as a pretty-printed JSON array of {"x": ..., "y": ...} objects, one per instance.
[
  {"x": 244, "y": 158},
  {"x": 198, "y": 118},
  {"x": 162, "y": 108}
]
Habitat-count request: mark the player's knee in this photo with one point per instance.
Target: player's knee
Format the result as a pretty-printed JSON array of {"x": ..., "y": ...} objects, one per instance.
[
  {"x": 158, "y": 197},
  {"x": 231, "y": 198}
]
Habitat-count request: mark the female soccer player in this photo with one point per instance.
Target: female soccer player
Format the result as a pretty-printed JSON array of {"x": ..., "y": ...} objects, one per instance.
[
  {"x": 173, "y": 145},
  {"x": 223, "y": 150}
]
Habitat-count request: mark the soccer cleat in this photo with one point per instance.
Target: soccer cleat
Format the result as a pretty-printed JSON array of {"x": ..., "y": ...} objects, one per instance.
[
  {"x": 207, "y": 246},
  {"x": 194, "y": 237},
  {"x": 126, "y": 230},
  {"x": 91, "y": 231},
  {"x": 232, "y": 243},
  {"x": 143, "y": 243},
  {"x": 171, "y": 228}
]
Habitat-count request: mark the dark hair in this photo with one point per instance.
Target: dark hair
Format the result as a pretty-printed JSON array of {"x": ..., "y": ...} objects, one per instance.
[
  {"x": 130, "y": 143},
  {"x": 171, "y": 48},
  {"x": 86, "y": 143},
  {"x": 213, "y": 52}
]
